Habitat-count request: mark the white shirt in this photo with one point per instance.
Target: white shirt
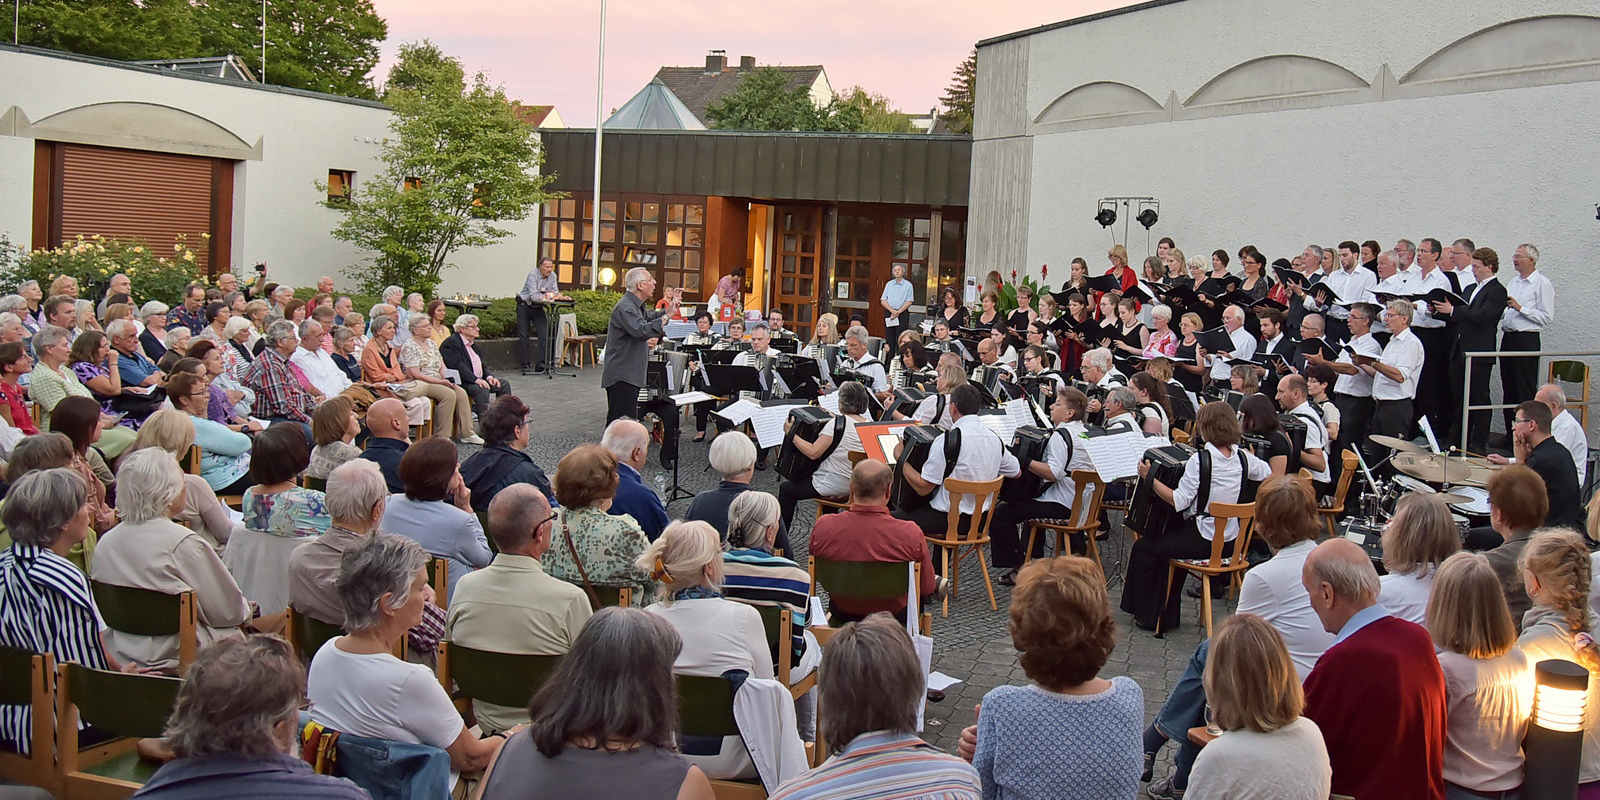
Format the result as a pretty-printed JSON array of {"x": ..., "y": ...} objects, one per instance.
[
  {"x": 1423, "y": 317},
  {"x": 924, "y": 412},
  {"x": 1273, "y": 591},
  {"x": 1064, "y": 491},
  {"x": 319, "y": 368},
  {"x": 1571, "y": 436},
  {"x": 1538, "y": 298},
  {"x": 1351, "y": 285},
  {"x": 718, "y": 635},
  {"x": 380, "y": 696},
  {"x": 983, "y": 457},
  {"x": 1487, "y": 703},
  {"x": 873, "y": 368},
  {"x": 749, "y": 358},
  {"x": 1316, "y": 437},
  {"x": 1465, "y": 277},
  {"x": 1244, "y": 346},
  {"x": 1290, "y": 763},
  {"x": 1226, "y": 481},
  {"x": 1112, "y": 380},
  {"x": 832, "y": 478},
  {"x": 1405, "y": 595},
  {"x": 1360, "y": 383},
  {"x": 1404, "y": 352}
]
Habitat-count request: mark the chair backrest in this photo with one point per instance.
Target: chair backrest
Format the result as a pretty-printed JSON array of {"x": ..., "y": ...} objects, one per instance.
[
  {"x": 141, "y": 612},
  {"x": 1089, "y": 520},
  {"x": 775, "y": 620},
  {"x": 856, "y": 457},
  {"x": 504, "y": 679},
  {"x": 439, "y": 579},
  {"x": 1569, "y": 371},
  {"x": 613, "y": 596},
  {"x": 985, "y": 494},
  {"x": 705, "y": 706},
  {"x": 1221, "y": 513},
  {"x": 120, "y": 703},
  {"x": 1180, "y": 436},
  {"x": 29, "y": 679},
  {"x": 307, "y": 634},
  {"x": 862, "y": 580},
  {"x": 1303, "y": 477},
  {"x": 191, "y": 460},
  {"x": 483, "y": 522},
  {"x": 316, "y": 484},
  {"x": 1348, "y": 463}
]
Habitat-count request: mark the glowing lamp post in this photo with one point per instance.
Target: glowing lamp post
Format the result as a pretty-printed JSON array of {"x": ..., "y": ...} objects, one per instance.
[{"x": 1555, "y": 739}]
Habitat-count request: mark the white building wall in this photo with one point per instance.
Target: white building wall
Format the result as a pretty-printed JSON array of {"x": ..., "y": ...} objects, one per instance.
[{"x": 277, "y": 216}]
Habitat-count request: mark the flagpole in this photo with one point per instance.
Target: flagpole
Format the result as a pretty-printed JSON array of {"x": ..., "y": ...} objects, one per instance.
[
  {"x": 263, "y": 41},
  {"x": 599, "y": 120}
]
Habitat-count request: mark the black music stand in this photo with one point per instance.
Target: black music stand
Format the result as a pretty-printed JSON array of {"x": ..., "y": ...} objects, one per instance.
[
  {"x": 804, "y": 379},
  {"x": 785, "y": 345},
  {"x": 727, "y": 380},
  {"x": 552, "y": 326}
]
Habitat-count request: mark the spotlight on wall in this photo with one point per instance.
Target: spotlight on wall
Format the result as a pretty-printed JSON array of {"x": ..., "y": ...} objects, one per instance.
[
  {"x": 1147, "y": 218},
  {"x": 1554, "y": 743},
  {"x": 1107, "y": 215}
]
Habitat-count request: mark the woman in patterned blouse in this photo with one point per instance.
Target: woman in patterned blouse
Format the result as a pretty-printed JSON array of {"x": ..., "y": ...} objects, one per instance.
[
  {"x": 279, "y": 515},
  {"x": 52, "y": 380},
  {"x": 607, "y": 546},
  {"x": 425, "y": 368}
]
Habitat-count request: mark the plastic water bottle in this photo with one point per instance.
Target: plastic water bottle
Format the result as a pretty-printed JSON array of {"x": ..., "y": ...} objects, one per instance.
[{"x": 661, "y": 483}]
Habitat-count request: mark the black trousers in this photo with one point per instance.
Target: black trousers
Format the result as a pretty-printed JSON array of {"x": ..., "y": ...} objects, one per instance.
[
  {"x": 622, "y": 400},
  {"x": 531, "y": 321},
  {"x": 1477, "y": 391},
  {"x": 1355, "y": 422},
  {"x": 1519, "y": 375},
  {"x": 933, "y": 523},
  {"x": 790, "y": 493},
  {"x": 1433, "y": 386},
  {"x": 481, "y": 397},
  {"x": 1392, "y": 418},
  {"x": 1008, "y": 539},
  {"x": 1145, "y": 594},
  {"x": 671, "y": 423}
]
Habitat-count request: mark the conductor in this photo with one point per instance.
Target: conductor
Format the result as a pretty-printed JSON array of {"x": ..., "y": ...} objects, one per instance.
[{"x": 627, "y": 349}]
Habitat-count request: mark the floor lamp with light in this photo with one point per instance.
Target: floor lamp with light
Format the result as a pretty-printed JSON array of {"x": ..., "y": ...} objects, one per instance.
[{"x": 1554, "y": 743}]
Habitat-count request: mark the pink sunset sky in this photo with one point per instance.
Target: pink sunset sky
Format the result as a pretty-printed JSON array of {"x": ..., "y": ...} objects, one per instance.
[{"x": 545, "y": 52}]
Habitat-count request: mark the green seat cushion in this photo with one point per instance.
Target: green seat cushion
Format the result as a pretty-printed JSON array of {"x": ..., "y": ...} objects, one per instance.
[{"x": 126, "y": 767}]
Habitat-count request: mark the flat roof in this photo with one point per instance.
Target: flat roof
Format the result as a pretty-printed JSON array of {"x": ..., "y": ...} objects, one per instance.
[{"x": 1077, "y": 21}]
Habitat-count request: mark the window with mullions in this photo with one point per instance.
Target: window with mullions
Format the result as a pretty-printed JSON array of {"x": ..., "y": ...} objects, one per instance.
[{"x": 668, "y": 238}]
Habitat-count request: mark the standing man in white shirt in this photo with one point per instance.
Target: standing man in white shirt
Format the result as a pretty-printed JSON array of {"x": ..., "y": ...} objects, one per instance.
[
  {"x": 1352, "y": 392},
  {"x": 981, "y": 457},
  {"x": 1351, "y": 284},
  {"x": 1244, "y": 345},
  {"x": 898, "y": 295},
  {"x": 1460, "y": 262},
  {"x": 1566, "y": 429},
  {"x": 1406, "y": 252},
  {"x": 1530, "y": 306},
  {"x": 1394, "y": 388},
  {"x": 1436, "y": 395}
]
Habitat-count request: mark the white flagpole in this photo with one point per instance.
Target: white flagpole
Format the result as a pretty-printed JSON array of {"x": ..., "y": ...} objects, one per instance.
[{"x": 599, "y": 120}]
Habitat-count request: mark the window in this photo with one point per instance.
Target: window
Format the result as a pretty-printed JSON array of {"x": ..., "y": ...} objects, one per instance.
[
  {"x": 911, "y": 250},
  {"x": 953, "y": 253},
  {"x": 341, "y": 185},
  {"x": 665, "y": 235},
  {"x": 412, "y": 182}
]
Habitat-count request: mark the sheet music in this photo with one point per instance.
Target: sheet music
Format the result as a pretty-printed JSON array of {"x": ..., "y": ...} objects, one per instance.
[
  {"x": 926, "y": 326},
  {"x": 829, "y": 401},
  {"x": 889, "y": 441},
  {"x": 739, "y": 412},
  {"x": 768, "y": 423},
  {"x": 691, "y": 397},
  {"x": 1118, "y": 456},
  {"x": 1479, "y": 504},
  {"x": 1002, "y": 424},
  {"x": 1020, "y": 413}
]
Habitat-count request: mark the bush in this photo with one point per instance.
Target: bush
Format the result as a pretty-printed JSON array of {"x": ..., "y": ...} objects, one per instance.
[
  {"x": 156, "y": 275},
  {"x": 499, "y": 320}
]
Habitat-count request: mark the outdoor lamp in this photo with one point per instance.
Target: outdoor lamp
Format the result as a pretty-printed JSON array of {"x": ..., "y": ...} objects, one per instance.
[
  {"x": 608, "y": 276},
  {"x": 1107, "y": 215},
  {"x": 1147, "y": 218},
  {"x": 1555, "y": 739}
]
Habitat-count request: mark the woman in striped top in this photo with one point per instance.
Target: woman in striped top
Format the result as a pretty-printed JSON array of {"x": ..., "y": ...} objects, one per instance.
[{"x": 45, "y": 603}]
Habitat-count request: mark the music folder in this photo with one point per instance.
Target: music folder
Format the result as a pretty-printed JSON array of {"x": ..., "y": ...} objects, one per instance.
[
  {"x": 1321, "y": 347},
  {"x": 1182, "y": 295},
  {"x": 1267, "y": 302},
  {"x": 1145, "y": 292},
  {"x": 1324, "y": 294},
  {"x": 1215, "y": 340},
  {"x": 1105, "y": 283},
  {"x": 1287, "y": 275}
]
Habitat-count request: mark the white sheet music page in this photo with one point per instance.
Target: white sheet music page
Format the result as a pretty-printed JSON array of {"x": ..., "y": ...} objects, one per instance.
[
  {"x": 1003, "y": 425},
  {"x": 1020, "y": 414},
  {"x": 768, "y": 423},
  {"x": 829, "y": 401},
  {"x": 691, "y": 397},
  {"x": 1118, "y": 456},
  {"x": 889, "y": 441},
  {"x": 739, "y": 412}
]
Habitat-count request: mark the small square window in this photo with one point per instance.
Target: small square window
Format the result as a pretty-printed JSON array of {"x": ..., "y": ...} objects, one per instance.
[
  {"x": 341, "y": 184},
  {"x": 412, "y": 182}
]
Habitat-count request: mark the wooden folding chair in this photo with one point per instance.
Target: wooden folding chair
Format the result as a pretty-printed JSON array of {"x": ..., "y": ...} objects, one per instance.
[
  {"x": 1089, "y": 528},
  {"x": 1347, "y": 474},
  {"x": 614, "y": 596},
  {"x": 29, "y": 679},
  {"x": 191, "y": 460},
  {"x": 705, "y": 708},
  {"x": 439, "y": 579},
  {"x": 503, "y": 679},
  {"x": 1232, "y": 565},
  {"x": 145, "y": 612},
  {"x": 971, "y": 539},
  {"x": 1576, "y": 373},
  {"x": 779, "y": 624},
  {"x": 315, "y": 484},
  {"x": 129, "y": 706},
  {"x": 307, "y": 634}
]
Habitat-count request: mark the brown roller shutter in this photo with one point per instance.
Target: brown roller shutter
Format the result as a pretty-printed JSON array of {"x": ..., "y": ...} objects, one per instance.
[{"x": 135, "y": 194}]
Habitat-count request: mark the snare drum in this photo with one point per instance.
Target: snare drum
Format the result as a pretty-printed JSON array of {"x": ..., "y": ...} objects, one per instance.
[{"x": 1368, "y": 533}]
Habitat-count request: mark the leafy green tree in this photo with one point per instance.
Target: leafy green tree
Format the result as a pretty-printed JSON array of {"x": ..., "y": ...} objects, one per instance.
[
  {"x": 125, "y": 30},
  {"x": 458, "y": 161},
  {"x": 958, "y": 98},
  {"x": 764, "y": 102},
  {"x": 874, "y": 112}
]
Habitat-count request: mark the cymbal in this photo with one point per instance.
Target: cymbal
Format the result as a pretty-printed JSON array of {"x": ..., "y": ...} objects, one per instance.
[
  {"x": 1397, "y": 444},
  {"x": 1478, "y": 477},
  {"x": 1454, "y": 499},
  {"x": 1430, "y": 467}
]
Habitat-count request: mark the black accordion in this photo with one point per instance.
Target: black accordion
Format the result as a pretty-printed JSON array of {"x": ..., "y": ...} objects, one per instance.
[
  {"x": 1148, "y": 514},
  {"x": 806, "y": 422},
  {"x": 1030, "y": 444},
  {"x": 1296, "y": 427},
  {"x": 916, "y": 441},
  {"x": 906, "y": 402}
]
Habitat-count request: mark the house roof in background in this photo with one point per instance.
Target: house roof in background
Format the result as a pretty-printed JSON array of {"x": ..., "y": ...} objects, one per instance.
[
  {"x": 698, "y": 89},
  {"x": 228, "y": 67},
  {"x": 655, "y": 108},
  {"x": 532, "y": 115}
]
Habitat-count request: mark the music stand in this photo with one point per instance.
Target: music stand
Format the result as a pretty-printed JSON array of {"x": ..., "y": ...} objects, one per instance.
[
  {"x": 727, "y": 380},
  {"x": 552, "y": 326},
  {"x": 785, "y": 345},
  {"x": 804, "y": 379},
  {"x": 723, "y": 357}
]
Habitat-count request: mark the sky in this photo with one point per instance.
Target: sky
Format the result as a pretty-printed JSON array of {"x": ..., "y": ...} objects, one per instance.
[{"x": 545, "y": 52}]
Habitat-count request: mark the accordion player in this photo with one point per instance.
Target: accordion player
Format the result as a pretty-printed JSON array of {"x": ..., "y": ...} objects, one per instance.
[
  {"x": 815, "y": 458},
  {"x": 1044, "y": 488}
]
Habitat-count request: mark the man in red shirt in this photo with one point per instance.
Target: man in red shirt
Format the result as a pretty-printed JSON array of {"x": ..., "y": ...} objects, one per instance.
[
  {"x": 1378, "y": 693},
  {"x": 867, "y": 532}
]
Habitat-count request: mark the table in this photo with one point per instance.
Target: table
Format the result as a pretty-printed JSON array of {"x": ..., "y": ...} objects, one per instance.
[{"x": 464, "y": 305}]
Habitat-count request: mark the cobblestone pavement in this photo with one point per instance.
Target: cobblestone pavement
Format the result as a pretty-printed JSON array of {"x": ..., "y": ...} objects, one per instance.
[{"x": 972, "y": 644}]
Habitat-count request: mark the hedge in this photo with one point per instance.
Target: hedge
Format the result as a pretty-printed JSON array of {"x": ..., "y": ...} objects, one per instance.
[{"x": 500, "y": 318}]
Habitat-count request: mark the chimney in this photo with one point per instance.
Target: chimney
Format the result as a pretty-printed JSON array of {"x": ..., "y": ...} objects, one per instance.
[
  {"x": 717, "y": 61},
  {"x": 747, "y": 63}
]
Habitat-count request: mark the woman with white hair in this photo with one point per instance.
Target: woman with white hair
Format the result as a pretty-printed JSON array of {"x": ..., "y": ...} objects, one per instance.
[
  {"x": 147, "y": 550},
  {"x": 357, "y": 686},
  {"x": 424, "y": 368},
  {"x": 153, "y": 339},
  {"x": 86, "y": 316},
  {"x": 1163, "y": 341},
  {"x": 236, "y": 355},
  {"x": 172, "y": 431},
  {"x": 178, "y": 338},
  {"x": 718, "y": 634},
  {"x": 752, "y": 573},
  {"x": 733, "y": 456}
]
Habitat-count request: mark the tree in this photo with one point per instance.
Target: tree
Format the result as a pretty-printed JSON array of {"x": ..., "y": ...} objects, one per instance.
[
  {"x": 872, "y": 112},
  {"x": 125, "y": 30},
  {"x": 764, "y": 102},
  {"x": 958, "y": 98},
  {"x": 458, "y": 161}
]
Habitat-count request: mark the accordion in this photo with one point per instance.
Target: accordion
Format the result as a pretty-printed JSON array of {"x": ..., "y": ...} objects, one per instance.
[
  {"x": 807, "y": 422},
  {"x": 1148, "y": 514},
  {"x": 916, "y": 442},
  {"x": 905, "y": 401},
  {"x": 1030, "y": 444},
  {"x": 1296, "y": 427}
]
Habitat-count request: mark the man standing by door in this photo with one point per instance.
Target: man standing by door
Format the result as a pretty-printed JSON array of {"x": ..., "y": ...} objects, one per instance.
[
  {"x": 627, "y": 337},
  {"x": 896, "y": 300},
  {"x": 540, "y": 286}
]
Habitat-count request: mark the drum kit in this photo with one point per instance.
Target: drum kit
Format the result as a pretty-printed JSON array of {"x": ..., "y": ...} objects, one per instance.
[{"x": 1458, "y": 480}]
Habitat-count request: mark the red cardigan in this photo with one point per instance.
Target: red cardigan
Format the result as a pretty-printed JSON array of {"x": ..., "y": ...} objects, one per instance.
[{"x": 1379, "y": 699}]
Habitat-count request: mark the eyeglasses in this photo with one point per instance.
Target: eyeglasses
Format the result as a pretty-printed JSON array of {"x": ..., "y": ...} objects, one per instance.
[
  {"x": 1520, "y": 420},
  {"x": 551, "y": 518}
]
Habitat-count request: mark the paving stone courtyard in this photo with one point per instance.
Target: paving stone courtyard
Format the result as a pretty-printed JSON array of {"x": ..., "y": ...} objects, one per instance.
[{"x": 972, "y": 644}]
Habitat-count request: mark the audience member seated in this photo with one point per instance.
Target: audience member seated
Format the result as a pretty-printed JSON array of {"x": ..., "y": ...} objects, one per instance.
[
  {"x": 317, "y": 364},
  {"x": 347, "y": 345},
  {"x": 52, "y": 380},
  {"x": 981, "y": 457},
  {"x": 733, "y": 456},
  {"x": 1534, "y": 445},
  {"x": 97, "y": 369},
  {"x": 224, "y": 453},
  {"x": 436, "y": 509},
  {"x": 15, "y": 364},
  {"x": 228, "y": 403},
  {"x": 630, "y": 443},
  {"x": 605, "y": 723},
  {"x": 424, "y": 370},
  {"x": 832, "y": 476},
  {"x": 512, "y": 606},
  {"x": 872, "y": 686},
  {"x": 1555, "y": 564},
  {"x": 45, "y": 451},
  {"x": 279, "y": 515},
  {"x": 867, "y": 532},
  {"x": 234, "y": 729},
  {"x": 79, "y": 419},
  {"x": 153, "y": 339},
  {"x": 590, "y": 547},
  {"x": 45, "y": 602},
  {"x": 334, "y": 426},
  {"x": 389, "y": 438},
  {"x": 1379, "y": 675},
  {"x": 1419, "y": 537},
  {"x": 461, "y": 354},
  {"x": 1517, "y": 507},
  {"x": 147, "y": 550},
  {"x": 236, "y": 354},
  {"x": 356, "y": 685},
  {"x": 1267, "y": 749},
  {"x": 718, "y": 634},
  {"x": 279, "y": 395},
  {"x": 1487, "y": 680},
  {"x": 1072, "y": 734},
  {"x": 172, "y": 432},
  {"x": 503, "y": 460}
]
